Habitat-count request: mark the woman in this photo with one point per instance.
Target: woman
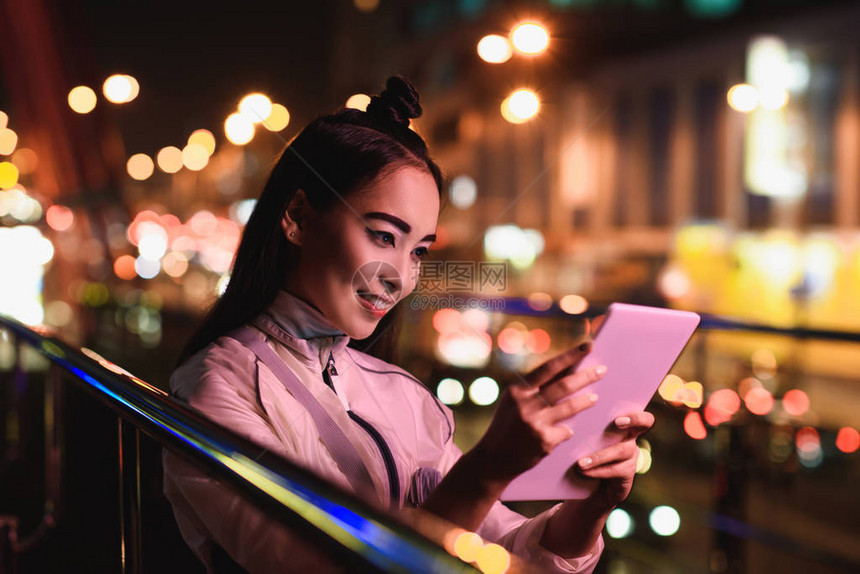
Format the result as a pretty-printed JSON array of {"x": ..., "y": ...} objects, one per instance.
[{"x": 334, "y": 243}]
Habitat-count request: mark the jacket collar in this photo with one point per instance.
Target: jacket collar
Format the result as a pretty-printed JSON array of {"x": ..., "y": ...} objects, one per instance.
[{"x": 302, "y": 327}]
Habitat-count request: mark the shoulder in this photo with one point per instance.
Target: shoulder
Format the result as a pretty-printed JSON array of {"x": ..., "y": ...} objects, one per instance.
[
  {"x": 411, "y": 384},
  {"x": 223, "y": 360}
]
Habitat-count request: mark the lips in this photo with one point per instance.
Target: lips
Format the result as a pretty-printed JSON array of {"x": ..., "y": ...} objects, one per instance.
[{"x": 377, "y": 302}]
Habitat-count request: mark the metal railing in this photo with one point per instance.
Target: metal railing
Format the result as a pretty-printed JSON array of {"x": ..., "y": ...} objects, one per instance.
[{"x": 342, "y": 525}]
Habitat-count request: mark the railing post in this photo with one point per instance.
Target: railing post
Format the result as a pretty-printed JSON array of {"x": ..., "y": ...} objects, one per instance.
[
  {"x": 129, "y": 493},
  {"x": 8, "y": 544}
]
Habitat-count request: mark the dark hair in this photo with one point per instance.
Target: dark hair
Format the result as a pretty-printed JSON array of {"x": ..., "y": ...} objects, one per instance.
[{"x": 334, "y": 155}]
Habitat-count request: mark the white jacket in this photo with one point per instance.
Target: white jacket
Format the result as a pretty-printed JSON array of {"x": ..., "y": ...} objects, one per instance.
[{"x": 229, "y": 385}]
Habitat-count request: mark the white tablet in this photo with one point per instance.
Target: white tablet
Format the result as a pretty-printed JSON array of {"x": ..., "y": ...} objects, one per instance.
[{"x": 638, "y": 345}]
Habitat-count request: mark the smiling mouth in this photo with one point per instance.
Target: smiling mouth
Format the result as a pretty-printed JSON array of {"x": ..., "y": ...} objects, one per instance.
[{"x": 381, "y": 303}]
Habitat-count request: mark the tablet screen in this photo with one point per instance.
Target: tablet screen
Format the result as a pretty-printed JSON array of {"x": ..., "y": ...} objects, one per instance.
[{"x": 638, "y": 345}]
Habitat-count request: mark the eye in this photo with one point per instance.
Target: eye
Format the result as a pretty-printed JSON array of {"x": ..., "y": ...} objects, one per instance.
[
  {"x": 421, "y": 253},
  {"x": 382, "y": 236}
]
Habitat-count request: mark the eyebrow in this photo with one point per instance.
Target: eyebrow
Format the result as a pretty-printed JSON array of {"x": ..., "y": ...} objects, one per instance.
[{"x": 398, "y": 223}]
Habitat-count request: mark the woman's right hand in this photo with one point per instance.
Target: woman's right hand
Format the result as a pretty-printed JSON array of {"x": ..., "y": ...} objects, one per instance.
[{"x": 528, "y": 422}]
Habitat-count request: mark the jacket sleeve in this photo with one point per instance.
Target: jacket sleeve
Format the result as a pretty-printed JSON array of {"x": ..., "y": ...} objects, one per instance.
[
  {"x": 521, "y": 535},
  {"x": 207, "y": 510}
]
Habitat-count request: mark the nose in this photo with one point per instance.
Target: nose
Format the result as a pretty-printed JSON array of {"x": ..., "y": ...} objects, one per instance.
[{"x": 391, "y": 283}]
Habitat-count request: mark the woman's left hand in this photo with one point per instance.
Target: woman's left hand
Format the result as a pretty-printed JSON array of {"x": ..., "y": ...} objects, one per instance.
[{"x": 616, "y": 464}]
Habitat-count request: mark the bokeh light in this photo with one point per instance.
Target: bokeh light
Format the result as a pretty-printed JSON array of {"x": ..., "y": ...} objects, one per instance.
[
  {"x": 124, "y": 268},
  {"x": 140, "y": 166},
  {"x": 540, "y": 301},
  {"x": 664, "y": 520},
  {"x": 195, "y": 156},
  {"x": 493, "y": 559},
  {"x": 463, "y": 192},
  {"x": 619, "y": 523},
  {"x": 511, "y": 340},
  {"x": 59, "y": 217},
  {"x": 521, "y": 106},
  {"x": 759, "y": 401},
  {"x": 278, "y": 119},
  {"x": 205, "y": 138},
  {"x": 120, "y": 88},
  {"x": 82, "y": 99},
  {"x": 573, "y": 304},
  {"x": 238, "y": 129},
  {"x": 694, "y": 427},
  {"x": 446, "y": 320},
  {"x": 169, "y": 159},
  {"x": 8, "y": 175},
  {"x": 8, "y": 141},
  {"x": 743, "y": 97},
  {"x": 495, "y": 49},
  {"x": 450, "y": 391},
  {"x": 795, "y": 402},
  {"x": 722, "y": 405},
  {"x": 255, "y": 107},
  {"x": 467, "y": 546},
  {"x": 530, "y": 38},
  {"x": 484, "y": 391},
  {"x": 538, "y": 341},
  {"x": 848, "y": 440},
  {"x": 358, "y": 102}
]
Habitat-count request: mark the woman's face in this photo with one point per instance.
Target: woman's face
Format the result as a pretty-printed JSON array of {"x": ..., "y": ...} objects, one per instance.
[{"x": 362, "y": 256}]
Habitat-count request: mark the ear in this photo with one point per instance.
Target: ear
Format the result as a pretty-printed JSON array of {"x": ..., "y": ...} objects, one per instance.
[{"x": 294, "y": 217}]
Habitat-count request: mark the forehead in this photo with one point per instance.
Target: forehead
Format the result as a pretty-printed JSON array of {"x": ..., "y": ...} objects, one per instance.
[{"x": 409, "y": 193}]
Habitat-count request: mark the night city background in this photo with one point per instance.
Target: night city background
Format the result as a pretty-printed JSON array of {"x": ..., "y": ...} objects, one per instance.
[{"x": 693, "y": 154}]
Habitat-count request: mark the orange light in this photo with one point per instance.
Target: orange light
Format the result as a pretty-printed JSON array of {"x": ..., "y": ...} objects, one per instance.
[
  {"x": 848, "y": 440},
  {"x": 721, "y": 406},
  {"x": 511, "y": 340},
  {"x": 795, "y": 402},
  {"x": 124, "y": 267},
  {"x": 446, "y": 320},
  {"x": 59, "y": 217},
  {"x": 694, "y": 427},
  {"x": 538, "y": 341},
  {"x": 759, "y": 401}
]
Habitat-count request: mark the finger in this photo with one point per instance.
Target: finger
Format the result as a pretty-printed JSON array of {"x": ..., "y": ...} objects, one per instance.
[
  {"x": 566, "y": 386},
  {"x": 569, "y": 407},
  {"x": 637, "y": 422},
  {"x": 622, "y": 451},
  {"x": 612, "y": 470},
  {"x": 550, "y": 369}
]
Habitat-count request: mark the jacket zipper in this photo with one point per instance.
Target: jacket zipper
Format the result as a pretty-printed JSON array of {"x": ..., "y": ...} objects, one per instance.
[{"x": 387, "y": 457}]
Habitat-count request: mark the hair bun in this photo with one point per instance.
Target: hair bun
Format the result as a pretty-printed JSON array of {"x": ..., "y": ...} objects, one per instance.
[{"x": 398, "y": 103}]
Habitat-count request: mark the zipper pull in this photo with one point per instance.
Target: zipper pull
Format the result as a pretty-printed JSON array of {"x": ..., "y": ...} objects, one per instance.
[{"x": 330, "y": 365}]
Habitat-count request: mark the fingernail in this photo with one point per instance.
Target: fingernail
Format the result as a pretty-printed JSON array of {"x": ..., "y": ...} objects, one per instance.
[
  {"x": 592, "y": 397},
  {"x": 622, "y": 421},
  {"x": 585, "y": 462},
  {"x": 585, "y": 347},
  {"x": 601, "y": 370}
]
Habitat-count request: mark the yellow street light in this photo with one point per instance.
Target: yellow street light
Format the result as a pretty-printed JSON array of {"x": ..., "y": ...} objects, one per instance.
[
  {"x": 530, "y": 38},
  {"x": 256, "y": 107},
  {"x": 120, "y": 88},
  {"x": 140, "y": 166},
  {"x": 278, "y": 119},
  {"x": 169, "y": 159},
  {"x": 204, "y": 138},
  {"x": 521, "y": 106},
  {"x": 743, "y": 97},
  {"x": 238, "y": 129},
  {"x": 495, "y": 49},
  {"x": 82, "y": 99}
]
